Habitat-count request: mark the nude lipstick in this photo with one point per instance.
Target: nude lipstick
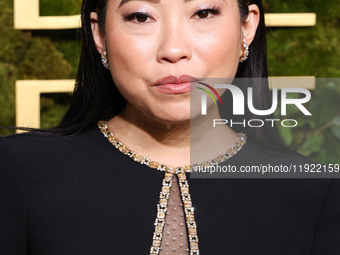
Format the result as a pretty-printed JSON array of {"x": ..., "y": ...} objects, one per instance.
[{"x": 175, "y": 85}]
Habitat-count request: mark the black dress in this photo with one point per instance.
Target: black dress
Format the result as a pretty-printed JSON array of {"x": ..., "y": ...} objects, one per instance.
[{"x": 80, "y": 195}]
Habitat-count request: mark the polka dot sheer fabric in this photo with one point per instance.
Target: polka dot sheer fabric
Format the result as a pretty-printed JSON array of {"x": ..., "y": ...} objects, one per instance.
[{"x": 174, "y": 234}]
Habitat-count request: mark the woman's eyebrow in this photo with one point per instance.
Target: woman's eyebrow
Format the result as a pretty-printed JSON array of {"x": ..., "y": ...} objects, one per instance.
[
  {"x": 125, "y": 1},
  {"x": 151, "y": 1}
]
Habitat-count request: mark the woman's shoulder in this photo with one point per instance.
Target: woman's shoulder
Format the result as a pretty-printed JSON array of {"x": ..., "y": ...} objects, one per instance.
[
  {"x": 7, "y": 159},
  {"x": 20, "y": 149},
  {"x": 31, "y": 148},
  {"x": 30, "y": 143},
  {"x": 43, "y": 139},
  {"x": 29, "y": 138},
  {"x": 258, "y": 153}
]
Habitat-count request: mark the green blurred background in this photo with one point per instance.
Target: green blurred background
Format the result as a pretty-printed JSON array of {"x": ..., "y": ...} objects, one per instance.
[{"x": 310, "y": 51}]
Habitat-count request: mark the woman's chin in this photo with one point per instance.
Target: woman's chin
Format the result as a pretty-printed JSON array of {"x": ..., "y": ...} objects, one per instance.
[
  {"x": 179, "y": 117},
  {"x": 182, "y": 118}
]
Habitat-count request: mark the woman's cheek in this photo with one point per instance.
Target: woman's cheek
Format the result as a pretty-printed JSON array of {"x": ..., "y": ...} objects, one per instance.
[
  {"x": 136, "y": 54},
  {"x": 218, "y": 53}
]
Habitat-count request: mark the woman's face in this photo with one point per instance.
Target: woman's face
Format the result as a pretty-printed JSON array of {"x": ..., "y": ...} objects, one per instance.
[{"x": 147, "y": 40}]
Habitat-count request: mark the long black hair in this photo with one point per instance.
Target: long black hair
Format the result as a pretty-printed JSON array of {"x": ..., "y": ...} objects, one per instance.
[{"x": 96, "y": 97}]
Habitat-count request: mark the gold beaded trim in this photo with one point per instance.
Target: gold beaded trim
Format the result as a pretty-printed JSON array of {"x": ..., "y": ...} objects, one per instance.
[
  {"x": 189, "y": 213},
  {"x": 242, "y": 138},
  {"x": 162, "y": 205}
]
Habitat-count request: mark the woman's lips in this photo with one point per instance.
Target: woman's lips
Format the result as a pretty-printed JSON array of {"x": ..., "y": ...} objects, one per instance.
[
  {"x": 173, "y": 85},
  {"x": 180, "y": 88}
]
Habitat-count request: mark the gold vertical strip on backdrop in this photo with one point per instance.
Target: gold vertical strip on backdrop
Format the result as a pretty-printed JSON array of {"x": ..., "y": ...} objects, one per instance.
[
  {"x": 27, "y": 16},
  {"x": 28, "y": 99}
]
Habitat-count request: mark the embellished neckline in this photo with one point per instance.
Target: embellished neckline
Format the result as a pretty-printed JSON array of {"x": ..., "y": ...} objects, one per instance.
[
  {"x": 102, "y": 125},
  {"x": 170, "y": 172}
]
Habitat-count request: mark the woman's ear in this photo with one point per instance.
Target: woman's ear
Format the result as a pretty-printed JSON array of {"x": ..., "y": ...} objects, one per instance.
[
  {"x": 97, "y": 36},
  {"x": 249, "y": 26}
]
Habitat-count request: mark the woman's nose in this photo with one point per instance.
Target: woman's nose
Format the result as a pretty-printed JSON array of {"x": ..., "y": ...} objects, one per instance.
[{"x": 175, "y": 44}]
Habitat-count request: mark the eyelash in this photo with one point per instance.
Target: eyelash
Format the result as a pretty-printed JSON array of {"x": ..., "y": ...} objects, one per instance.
[
  {"x": 130, "y": 17},
  {"x": 213, "y": 10}
]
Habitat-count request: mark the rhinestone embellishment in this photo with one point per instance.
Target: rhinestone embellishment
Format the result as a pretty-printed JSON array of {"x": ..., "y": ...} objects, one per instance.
[
  {"x": 163, "y": 202},
  {"x": 242, "y": 138},
  {"x": 245, "y": 55}
]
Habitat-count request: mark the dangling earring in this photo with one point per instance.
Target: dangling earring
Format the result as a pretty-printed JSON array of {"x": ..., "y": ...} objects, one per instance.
[
  {"x": 104, "y": 60},
  {"x": 245, "y": 55}
]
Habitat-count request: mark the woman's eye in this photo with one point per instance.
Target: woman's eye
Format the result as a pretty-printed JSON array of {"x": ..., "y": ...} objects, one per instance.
[
  {"x": 141, "y": 17},
  {"x": 204, "y": 13},
  {"x": 138, "y": 17}
]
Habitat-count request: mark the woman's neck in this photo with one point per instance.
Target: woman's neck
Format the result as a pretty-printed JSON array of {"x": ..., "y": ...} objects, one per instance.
[{"x": 173, "y": 143}]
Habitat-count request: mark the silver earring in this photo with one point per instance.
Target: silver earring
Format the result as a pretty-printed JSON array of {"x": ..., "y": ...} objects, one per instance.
[
  {"x": 245, "y": 55},
  {"x": 104, "y": 60}
]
